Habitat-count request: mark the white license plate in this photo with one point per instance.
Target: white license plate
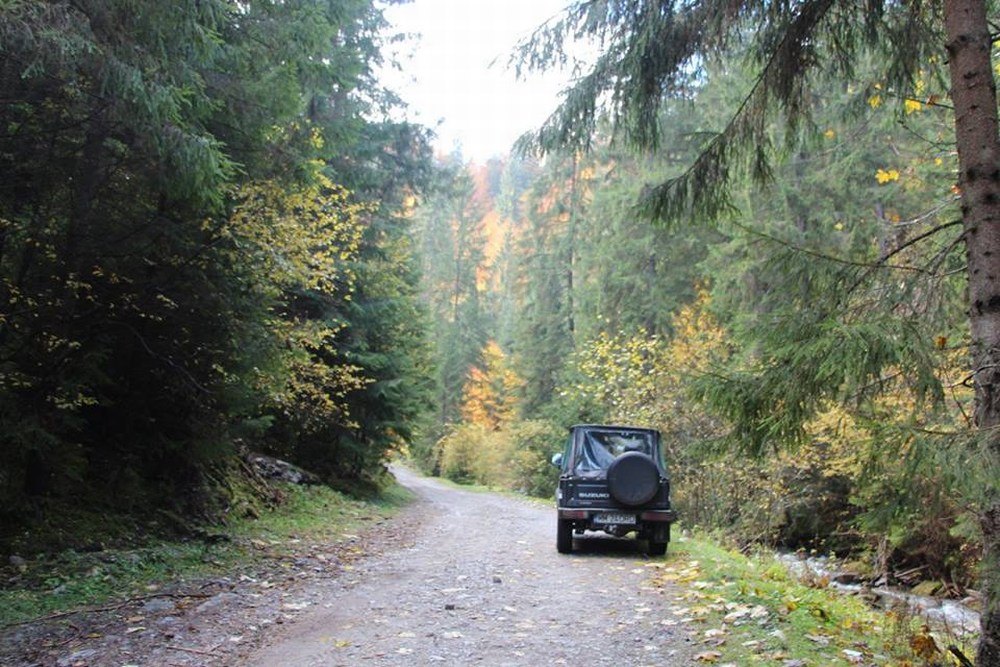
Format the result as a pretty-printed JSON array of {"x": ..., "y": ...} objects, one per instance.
[{"x": 614, "y": 517}]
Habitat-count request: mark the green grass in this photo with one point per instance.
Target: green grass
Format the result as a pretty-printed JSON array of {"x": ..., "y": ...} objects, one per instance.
[
  {"x": 751, "y": 611},
  {"x": 71, "y": 580},
  {"x": 482, "y": 488},
  {"x": 318, "y": 514}
]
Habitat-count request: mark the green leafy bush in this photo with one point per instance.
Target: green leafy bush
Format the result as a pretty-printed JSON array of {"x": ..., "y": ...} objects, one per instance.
[{"x": 532, "y": 445}]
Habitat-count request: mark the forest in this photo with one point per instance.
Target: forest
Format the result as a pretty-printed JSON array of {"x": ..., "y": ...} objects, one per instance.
[{"x": 765, "y": 229}]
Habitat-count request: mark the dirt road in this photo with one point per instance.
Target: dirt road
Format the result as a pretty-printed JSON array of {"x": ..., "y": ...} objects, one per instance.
[
  {"x": 482, "y": 584},
  {"x": 457, "y": 578}
]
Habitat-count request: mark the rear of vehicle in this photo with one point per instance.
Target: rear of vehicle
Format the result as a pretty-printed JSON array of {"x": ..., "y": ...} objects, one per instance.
[{"x": 613, "y": 480}]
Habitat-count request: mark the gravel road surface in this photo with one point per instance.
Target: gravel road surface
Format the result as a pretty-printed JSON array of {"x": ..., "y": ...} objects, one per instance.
[{"x": 482, "y": 584}]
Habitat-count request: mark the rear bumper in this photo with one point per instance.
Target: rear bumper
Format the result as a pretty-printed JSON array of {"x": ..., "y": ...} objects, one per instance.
[{"x": 655, "y": 516}]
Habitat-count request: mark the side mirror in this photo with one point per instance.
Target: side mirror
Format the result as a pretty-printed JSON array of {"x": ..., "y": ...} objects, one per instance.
[{"x": 557, "y": 460}]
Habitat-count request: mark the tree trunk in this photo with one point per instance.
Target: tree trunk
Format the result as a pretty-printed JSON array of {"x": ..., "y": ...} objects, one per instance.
[
  {"x": 978, "y": 143},
  {"x": 571, "y": 250}
]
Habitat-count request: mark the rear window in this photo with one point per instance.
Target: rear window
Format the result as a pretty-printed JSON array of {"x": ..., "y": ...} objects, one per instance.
[{"x": 598, "y": 448}]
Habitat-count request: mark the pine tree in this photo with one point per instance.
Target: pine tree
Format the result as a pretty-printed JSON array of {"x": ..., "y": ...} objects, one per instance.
[{"x": 453, "y": 255}]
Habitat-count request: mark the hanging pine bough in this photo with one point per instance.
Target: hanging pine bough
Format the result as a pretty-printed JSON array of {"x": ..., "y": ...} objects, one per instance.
[{"x": 651, "y": 52}]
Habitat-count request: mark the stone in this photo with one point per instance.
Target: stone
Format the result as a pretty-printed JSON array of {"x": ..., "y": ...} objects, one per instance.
[
  {"x": 272, "y": 468},
  {"x": 846, "y": 578},
  {"x": 216, "y": 601},
  {"x": 926, "y": 588},
  {"x": 158, "y": 605},
  {"x": 76, "y": 657}
]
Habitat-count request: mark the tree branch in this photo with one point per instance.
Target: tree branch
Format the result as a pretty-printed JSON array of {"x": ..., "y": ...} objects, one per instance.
[
  {"x": 881, "y": 263},
  {"x": 111, "y": 607}
]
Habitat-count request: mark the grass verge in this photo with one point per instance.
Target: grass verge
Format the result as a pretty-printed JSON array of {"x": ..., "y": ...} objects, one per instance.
[
  {"x": 752, "y": 611},
  {"x": 473, "y": 487},
  {"x": 71, "y": 579}
]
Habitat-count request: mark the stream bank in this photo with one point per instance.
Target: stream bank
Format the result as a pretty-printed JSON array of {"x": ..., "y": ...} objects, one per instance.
[{"x": 957, "y": 617}]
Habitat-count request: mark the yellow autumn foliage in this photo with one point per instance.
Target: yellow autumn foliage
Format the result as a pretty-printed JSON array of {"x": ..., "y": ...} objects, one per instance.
[
  {"x": 490, "y": 396},
  {"x": 492, "y": 446},
  {"x": 304, "y": 237},
  {"x": 912, "y": 106},
  {"x": 884, "y": 176},
  {"x": 641, "y": 378},
  {"x": 516, "y": 457},
  {"x": 302, "y": 240}
]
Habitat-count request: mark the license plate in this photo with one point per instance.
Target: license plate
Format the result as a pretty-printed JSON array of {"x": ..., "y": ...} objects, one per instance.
[{"x": 614, "y": 517}]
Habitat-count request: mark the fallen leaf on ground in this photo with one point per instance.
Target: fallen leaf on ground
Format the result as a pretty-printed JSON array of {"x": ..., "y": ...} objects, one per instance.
[
  {"x": 924, "y": 645},
  {"x": 736, "y": 615},
  {"x": 854, "y": 657}
]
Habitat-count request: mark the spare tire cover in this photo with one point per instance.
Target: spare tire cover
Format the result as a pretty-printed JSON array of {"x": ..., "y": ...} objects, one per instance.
[{"x": 633, "y": 479}]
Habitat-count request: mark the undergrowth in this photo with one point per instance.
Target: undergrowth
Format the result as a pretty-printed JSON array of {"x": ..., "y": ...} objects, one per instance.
[{"x": 70, "y": 579}]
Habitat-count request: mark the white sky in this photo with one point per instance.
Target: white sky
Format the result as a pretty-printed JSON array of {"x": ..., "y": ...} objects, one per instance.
[{"x": 449, "y": 77}]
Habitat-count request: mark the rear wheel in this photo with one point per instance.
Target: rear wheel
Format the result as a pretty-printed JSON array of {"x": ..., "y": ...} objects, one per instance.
[
  {"x": 657, "y": 548},
  {"x": 564, "y": 537}
]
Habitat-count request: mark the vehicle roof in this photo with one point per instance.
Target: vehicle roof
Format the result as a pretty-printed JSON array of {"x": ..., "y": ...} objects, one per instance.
[{"x": 613, "y": 427}]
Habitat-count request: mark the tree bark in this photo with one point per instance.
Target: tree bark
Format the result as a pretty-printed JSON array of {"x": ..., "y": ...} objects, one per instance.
[
  {"x": 571, "y": 250},
  {"x": 973, "y": 92}
]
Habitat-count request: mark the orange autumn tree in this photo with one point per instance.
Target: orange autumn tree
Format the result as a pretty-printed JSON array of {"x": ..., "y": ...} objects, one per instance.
[
  {"x": 481, "y": 448},
  {"x": 490, "y": 396}
]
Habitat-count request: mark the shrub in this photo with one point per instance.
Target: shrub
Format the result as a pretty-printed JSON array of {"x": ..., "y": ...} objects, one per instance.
[
  {"x": 462, "y": 453},
  {"x": 532, "y": 444}
]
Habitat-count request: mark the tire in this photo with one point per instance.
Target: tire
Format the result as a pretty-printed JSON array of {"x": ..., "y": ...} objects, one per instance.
[
  {"x": 564, "y": 537},
  {"x": 633, "y": 479},
  {"x": 657, "y": 548}
]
